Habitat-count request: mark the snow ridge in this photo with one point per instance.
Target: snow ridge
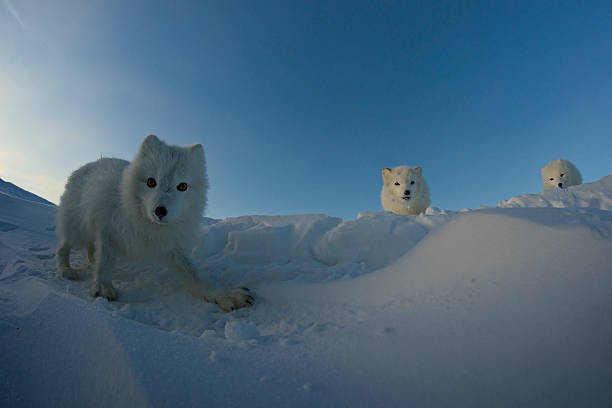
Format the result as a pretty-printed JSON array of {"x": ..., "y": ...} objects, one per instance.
[
  {"x": 12, "y": 190},
  {"x": 597, "y": 194}
]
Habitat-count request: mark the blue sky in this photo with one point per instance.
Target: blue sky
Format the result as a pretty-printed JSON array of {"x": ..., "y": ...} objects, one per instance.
[{"x": 299, "y": 105}]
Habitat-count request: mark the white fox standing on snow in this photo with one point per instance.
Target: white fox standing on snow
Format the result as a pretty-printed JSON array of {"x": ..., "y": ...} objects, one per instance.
[
  {"x": 405, "y": 190},
  {"x": 560, "y": 173},
  {"x": 148, "y": 209}
]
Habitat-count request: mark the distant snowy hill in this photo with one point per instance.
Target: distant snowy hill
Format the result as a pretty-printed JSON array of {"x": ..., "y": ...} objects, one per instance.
[
  {"x": 500, "y": 307},
  {"x": 17, "y": 192}
]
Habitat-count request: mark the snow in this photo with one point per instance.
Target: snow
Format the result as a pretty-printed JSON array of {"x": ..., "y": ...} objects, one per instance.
[
  {"x": 587, "y": 195},
  {"x": 506, "y": 306},
  {"x": 254, "y": 249},
  {"x": 237, "y": 330},
  {"x": 13, "y": 191}
]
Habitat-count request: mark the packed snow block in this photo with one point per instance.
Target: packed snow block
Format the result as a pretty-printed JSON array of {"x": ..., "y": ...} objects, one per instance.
[
  {"x": 212, "y": 238},
  {"x": 263, "y": 239},
  {"x": 375, "y": 238},
  {"x": 588, "y": 195},
  {"x": 260, "y": 244}
]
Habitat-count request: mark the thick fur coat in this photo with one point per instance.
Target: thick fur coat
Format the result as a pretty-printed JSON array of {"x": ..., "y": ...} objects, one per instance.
[{"x": 148, "y": 209}]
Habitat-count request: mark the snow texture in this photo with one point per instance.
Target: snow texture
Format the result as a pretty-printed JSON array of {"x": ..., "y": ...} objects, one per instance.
[
  {"x": 589, "y": 195},
  {"x": 492, "y": 307},
  {"x": 13, "y": 191}
]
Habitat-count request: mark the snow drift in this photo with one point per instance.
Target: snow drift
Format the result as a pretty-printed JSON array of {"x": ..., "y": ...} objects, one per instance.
[
  {"x": 493, "y": 307},
  {"x": 587, "y": 195},
  {"x": 308, "y": 247}
]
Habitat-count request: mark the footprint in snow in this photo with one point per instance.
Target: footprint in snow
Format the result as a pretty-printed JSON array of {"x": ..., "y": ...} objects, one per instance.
[
  {"x": 38, "y": 249},
  {"x": 6, "y": 226},
  {"x": 47, "y": 256}
]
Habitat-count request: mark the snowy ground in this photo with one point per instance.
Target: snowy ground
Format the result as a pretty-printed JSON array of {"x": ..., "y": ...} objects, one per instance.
[{"x": 508, "y": 306}]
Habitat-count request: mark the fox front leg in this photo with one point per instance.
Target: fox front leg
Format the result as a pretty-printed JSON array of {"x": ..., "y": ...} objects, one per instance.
[
  {"x": 227, "y": 300},
  {"x": 102, "y": 284}
]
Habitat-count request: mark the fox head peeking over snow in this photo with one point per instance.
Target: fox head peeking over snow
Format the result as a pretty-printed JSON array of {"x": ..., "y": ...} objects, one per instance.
[
  {"x": 405, "y": 190},
  {"x": 166, "y": 183},
  {"x": 560, "y": 174}
]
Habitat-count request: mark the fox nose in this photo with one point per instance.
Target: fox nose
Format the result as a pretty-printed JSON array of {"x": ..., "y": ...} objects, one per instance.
[
  {"x": 407, "y": 192},
  {"x": 560, "y": 185},
  {"x": 161, "y": 212}
]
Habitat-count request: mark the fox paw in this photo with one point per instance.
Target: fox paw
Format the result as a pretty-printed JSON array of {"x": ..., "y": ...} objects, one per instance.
[
  {"x": 68, "y": 273},
  {"x": 105, "y": 290},
  {"x": 233, "y": 299}
]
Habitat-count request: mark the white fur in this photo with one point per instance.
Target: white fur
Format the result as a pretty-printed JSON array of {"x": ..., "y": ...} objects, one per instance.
[
  {"x": 560, "y": 174},
  {"x": 404, "y": 190},
  {"x": 108, "y": 209}
]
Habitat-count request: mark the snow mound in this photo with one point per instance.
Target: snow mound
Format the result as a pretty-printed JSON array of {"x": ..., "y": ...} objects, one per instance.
[
  {"x": 588, "y": 195},
  {"x": 253, "y": 249},
  {"x": 496, "y": 307},
  {"x": 375, "y": 238}
]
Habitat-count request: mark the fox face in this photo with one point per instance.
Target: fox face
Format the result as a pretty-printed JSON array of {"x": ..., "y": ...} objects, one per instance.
[
  {"x": 167, "y": 182},
  {"x": 405, "y": 190},
  {"x": 560, "y": 174},
  {"x": 403, "y": 182}
]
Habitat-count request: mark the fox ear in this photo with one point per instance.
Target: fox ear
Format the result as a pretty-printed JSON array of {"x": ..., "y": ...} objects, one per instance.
[
  {"x": 149, "y": 145},
  {"x": 197, "y": 150},
  {"x": 150, "y": 140},
  {"x": 385, "y": 172},
  {"x": 419, "y": 170}
]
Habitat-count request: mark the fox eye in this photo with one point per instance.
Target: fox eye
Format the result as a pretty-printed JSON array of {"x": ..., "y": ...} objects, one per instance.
[
  {"x": 396, "y": 183},
  {"x": 412, "y": 182},
  {"x": 182, "y": 187},
  {"x": 562, "y": 174},
  {"x": 151, "y": 182},
  {"x": 552, "y": 179}
]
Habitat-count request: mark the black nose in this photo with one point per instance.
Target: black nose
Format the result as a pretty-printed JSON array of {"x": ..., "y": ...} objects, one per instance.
[
  {"x": 560, "y": 185},
  {"x": 407, "y": 192},
  {"x": 161, "y": 212}
]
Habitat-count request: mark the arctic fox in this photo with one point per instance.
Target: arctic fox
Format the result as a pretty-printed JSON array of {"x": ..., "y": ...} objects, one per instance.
[
  {"x": 405, "y": 190},
  {"x": 560, "y": 173},
  {"x": 148, "y": 209}
]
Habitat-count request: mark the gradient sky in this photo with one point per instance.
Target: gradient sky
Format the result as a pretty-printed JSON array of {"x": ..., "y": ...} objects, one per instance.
[{"x": 299, "y": 105}]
